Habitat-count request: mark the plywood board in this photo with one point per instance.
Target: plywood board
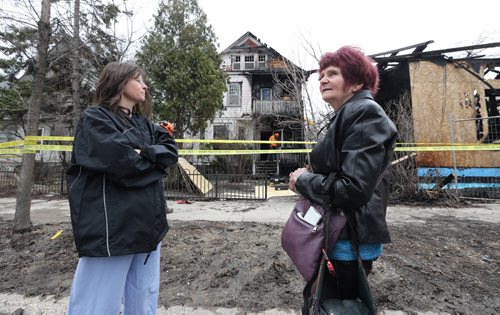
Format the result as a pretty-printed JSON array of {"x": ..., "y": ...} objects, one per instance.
[
  {"x": 195, "y": 176},
  {"x": 438, "y": 95}
]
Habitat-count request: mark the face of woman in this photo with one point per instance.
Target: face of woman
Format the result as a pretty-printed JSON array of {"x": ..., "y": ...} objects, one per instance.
[
  {"x": 134, "y": 92},
  {"x": 332, "y": 87}
]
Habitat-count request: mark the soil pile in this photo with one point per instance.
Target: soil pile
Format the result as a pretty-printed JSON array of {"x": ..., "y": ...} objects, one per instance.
[{"x": 442, "y": 264}]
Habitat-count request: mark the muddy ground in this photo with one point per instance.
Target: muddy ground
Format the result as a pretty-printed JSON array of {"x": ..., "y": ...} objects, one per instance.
[{"x": 441, "y": 264}]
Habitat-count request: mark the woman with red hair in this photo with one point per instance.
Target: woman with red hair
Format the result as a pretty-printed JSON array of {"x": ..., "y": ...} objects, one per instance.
[{"x": 348, "y": 166}]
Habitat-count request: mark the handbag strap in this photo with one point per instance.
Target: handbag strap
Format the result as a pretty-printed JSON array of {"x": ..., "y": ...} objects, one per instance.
[
  {"x": 319, "y": 278},
  {"x": 366, "y": 297}
]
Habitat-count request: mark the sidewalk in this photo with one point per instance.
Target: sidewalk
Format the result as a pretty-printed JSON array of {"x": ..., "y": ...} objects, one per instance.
[{"x": 273, "y": 210}]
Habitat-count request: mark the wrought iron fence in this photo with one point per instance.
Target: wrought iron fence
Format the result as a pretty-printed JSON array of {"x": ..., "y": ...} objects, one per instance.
[
  {"x": 8, "y": 179},
  {"x": 48, "y": 179},
  {"x": 194, "y": 185},
  {"x": 179, "y": 184}
]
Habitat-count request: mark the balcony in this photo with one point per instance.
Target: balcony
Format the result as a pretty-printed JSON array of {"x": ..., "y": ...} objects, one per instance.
[{"x": 277, "y": 107}]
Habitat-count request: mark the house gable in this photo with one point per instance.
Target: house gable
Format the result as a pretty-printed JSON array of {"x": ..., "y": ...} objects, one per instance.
[{"x": 248, "y": 53}]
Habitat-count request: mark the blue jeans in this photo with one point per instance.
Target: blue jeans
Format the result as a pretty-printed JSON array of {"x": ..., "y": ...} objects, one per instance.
[{"x": 102, "y": 284}]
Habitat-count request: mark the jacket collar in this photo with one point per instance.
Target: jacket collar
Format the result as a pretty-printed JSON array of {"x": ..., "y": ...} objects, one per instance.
[{"x": 362, "y": 94}]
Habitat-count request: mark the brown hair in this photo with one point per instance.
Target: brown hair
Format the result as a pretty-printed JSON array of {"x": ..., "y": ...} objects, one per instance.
[{"x": 111, "y": 83}]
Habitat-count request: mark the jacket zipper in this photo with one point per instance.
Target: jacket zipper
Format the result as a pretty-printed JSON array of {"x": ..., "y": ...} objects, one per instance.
[
  {"x": 105, "y": 212},
  {"x": 77, "y": 177}
]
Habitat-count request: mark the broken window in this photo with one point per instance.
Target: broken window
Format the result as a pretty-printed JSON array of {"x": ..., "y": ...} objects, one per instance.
[
  {"x": 493, "y": 110},
  {"x": 236, "y": 62},
  {"x": 262, "y": 62},
  {"x": 479, "y": 120}
]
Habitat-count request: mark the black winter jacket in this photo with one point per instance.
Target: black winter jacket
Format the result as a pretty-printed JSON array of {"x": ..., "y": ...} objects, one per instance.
[
  {"x": 116, "y": 195},
  {"x": 348, "y": 167}
]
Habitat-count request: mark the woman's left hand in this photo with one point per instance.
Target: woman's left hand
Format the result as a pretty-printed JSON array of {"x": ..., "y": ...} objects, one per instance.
[{"x": 293, "y": 177}]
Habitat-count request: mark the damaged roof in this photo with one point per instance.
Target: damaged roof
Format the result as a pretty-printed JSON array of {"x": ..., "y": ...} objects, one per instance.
[{"x": 390, "y": 58}]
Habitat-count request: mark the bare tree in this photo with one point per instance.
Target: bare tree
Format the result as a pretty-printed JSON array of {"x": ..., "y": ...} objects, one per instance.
[
  {"x": 75, "y": 73},
  {"x": 22, "y": 220}
]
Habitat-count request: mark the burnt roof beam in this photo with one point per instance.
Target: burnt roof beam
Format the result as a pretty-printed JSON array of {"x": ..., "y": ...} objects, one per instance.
[
  {"x": 418, "y": 48},
  {"x": 472, "y": 47}
]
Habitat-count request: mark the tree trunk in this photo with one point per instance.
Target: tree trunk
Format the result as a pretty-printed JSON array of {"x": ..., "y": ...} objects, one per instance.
[
  {"x": 22, "y": 221},
  {"x": 75, "y": 75}
]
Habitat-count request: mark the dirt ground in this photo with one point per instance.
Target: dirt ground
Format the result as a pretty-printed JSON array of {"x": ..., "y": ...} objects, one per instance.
[{"x": 438, "y": 264}]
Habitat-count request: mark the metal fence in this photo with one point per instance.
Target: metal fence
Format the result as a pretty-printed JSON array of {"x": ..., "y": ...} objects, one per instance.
[
  {"x": 194, "y": 185},
  {"x": 48, "y": 179},
  {"x": 51, "y": 180},
  {"x": 477, "y": 173}
]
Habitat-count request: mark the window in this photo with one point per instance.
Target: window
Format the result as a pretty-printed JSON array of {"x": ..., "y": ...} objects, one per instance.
[
  {"x": 266, "y": 94},
  {"x": 236, "y": 60},
  {"x": 234, "y": 94},
  {"x": 221, "y": 132},
  {"x": 262, "y": 61},
  {"x": 249, "y": 62}
]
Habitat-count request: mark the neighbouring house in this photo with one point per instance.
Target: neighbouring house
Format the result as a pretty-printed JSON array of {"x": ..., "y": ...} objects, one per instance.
[
  {"x": 56, "y": 108},
  {"x": 55, "y": 120},
  {"x": 264, "y": 96},
  {"x": 447, "y": 100}
]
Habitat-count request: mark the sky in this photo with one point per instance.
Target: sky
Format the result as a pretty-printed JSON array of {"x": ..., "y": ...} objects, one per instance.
[
  {"x": 375, "y": 26},
  {"x": 289, "y": 26}
]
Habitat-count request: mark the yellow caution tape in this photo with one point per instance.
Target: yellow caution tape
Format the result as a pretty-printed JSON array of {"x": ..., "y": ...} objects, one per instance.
[
  {"x": 31, "y": 149},
  {"x": 32, "y": 140},
  {"x": 49, "y": 138},
  {"x": 56, "y": 235},
  {"x": 31, "y": 146},
  {"x": 49, "y": 147},
  {"x": 15, "y": 151},
  {"x": 11, "y": 144},
  {"x": 483, "y": 147},
  {"x": 241, "y": 141},
  {"x": 240, "y": 152},
  {"x": 64, "y": 138}
]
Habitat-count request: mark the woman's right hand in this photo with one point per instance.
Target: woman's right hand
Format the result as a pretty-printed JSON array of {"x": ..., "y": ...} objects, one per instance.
[{"x": 294, "y": 176}]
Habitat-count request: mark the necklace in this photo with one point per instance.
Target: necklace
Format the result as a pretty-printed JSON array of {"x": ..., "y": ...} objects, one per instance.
[{"x": 125, "y": 110}]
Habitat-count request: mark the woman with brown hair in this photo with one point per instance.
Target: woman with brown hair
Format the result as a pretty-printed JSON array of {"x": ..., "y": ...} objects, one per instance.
[{"x": 116, "y": 197}]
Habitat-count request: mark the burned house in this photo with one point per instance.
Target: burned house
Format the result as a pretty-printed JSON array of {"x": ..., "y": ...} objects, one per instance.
[
  {"x": 264, "y": 96},
  {"x": 446, "y": 101}
]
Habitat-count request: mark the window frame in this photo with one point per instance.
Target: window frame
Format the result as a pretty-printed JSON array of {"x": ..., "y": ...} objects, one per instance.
[
  {"x": 262, "y": 63},
  {"x": 231, "y": 95},
  {"x": 236, "y": 62},
  {"x": 247, "y": 64}
]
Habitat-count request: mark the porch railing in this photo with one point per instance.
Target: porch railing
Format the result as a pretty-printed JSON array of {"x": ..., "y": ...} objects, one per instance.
[{"x": 277, "y": 107}]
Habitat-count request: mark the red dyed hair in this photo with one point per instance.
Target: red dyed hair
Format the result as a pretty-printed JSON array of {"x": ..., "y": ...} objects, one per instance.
[{"x": 355, "y": 66}]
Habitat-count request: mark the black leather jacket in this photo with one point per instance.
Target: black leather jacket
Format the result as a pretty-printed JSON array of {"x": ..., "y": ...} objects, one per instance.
[
  {"x": 116, "y": 195},
  {"x": 349, "y": 166}
]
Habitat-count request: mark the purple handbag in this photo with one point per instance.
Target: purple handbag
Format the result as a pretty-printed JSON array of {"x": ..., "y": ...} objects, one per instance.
[{"x": 303, "y": 241}]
